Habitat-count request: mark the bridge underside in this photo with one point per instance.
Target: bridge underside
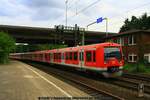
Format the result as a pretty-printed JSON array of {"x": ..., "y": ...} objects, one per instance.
[{"x": 36, "y": 35}]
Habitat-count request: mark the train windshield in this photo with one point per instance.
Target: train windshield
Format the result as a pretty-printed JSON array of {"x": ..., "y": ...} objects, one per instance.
[{"x": 111, "y": 53}]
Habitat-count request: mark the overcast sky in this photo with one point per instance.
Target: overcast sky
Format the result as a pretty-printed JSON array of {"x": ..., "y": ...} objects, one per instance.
[{"x": 47, "y": 13}]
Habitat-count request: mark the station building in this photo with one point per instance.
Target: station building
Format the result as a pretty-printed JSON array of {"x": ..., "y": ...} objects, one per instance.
[{"x": 135, "y": 44}]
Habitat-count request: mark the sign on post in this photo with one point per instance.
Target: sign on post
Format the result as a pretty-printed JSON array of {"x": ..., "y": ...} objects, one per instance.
[{"x": 99, "y": 20}]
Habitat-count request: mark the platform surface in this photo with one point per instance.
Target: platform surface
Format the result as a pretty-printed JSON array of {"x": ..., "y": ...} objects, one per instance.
[{"x": 19, "y": 81}]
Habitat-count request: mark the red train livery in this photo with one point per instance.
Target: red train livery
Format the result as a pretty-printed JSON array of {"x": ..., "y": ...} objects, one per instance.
[{"x": 104, "y": 58}]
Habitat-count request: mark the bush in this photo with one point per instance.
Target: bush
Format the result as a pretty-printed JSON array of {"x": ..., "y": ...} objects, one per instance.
[
  {"x": 135, "y": 68},
  {"x": 7, "y": 44}
]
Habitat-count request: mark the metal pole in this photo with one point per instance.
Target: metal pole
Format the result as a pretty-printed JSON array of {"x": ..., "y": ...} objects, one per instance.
[
  {"x": 90, "y": 24},
  {"x": 106, "y": 26},
  {"x": 66, "y": 11},
  {"x": 83, "y": 38}
]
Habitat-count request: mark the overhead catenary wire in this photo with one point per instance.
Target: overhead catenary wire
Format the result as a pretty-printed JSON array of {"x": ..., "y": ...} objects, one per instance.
[
  {"x": 90, "y": 5},
  {"x": 128, "y": 11},
  {"x": 84, "y": 9},
  {"x": 71, "y": 5}
]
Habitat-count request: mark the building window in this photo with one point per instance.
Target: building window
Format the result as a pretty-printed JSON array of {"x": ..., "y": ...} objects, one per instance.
[
  {"x": 132, "y": 58},
  {"x": 147, "y": 57},
  {"x": 131, "y": 40},
  {"x": 120, "y": 41}
]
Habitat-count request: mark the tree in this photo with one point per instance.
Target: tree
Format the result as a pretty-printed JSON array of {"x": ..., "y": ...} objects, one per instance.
[
  {"x": 142, "y": 23},
  {"x": 7, "y": 44}
]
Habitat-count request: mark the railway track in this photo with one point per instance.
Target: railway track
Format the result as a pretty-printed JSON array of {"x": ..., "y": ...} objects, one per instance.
[
  {"x": 81, "y": 83},
  {"x": 131, "y": 84},
  {"x": 94, "y": 86},
  {"x": 140, "y": 77},
  {"x": 134, "y": 80}
]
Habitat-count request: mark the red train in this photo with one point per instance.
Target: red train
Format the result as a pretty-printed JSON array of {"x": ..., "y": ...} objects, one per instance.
[{"x": 104, "y": 58}]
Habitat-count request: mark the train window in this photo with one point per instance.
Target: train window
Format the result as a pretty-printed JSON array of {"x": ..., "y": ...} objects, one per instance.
[
  {"x": 88, "y": 56},
  {"x": 70, "y": 55},
  {"x": 47, "y": 56},
  {"x": 66, "y": 56},
  {"x": 94, "y": 56},
  {"x": 62, "y": 56},
  {"x": 112, "y": 52},
  {"x": 59, "y": 55},
  {"x": 42, "y": 56},
  {"x": 80, "y": 56},
  {"x": 54, "y": 55},
  {"x": 51, "y": 55},
  {"x": 75, "y": 55}
]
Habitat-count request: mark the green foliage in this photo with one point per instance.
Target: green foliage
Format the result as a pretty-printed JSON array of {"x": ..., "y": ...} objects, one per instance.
[
  {"x": 7, "y": 45},
  {"x": 129, "y": 67},
  {"x": 136, "y": 68},
  {"x": 142, "y": 23}
]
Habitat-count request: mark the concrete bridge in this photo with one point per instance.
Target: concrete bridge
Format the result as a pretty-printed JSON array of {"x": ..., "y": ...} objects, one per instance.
[{"x": 58, "y": 35}]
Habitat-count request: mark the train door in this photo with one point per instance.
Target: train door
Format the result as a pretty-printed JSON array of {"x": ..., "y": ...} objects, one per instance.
[
  {"x": 51, "y": 58},
  {"x": 62, "y": 58},
  {"x": 81, "y": 58}
]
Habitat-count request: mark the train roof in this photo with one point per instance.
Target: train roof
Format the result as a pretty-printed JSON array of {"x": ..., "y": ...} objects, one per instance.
[
  {"x": 85, "y": 47},
  {"x": 76, "y": 48}
]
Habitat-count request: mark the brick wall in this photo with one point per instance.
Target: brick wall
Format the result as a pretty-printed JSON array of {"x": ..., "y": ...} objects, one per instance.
[{"x": 141, "y": 47}]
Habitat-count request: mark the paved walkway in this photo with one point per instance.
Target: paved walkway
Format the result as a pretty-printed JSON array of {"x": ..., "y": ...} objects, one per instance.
[{"x": 19, "y": 81}]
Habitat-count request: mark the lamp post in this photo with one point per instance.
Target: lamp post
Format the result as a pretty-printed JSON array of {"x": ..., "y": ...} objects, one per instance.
[
  {"x": 83, "y": 35},
  {"x": 83, "y": 39},
  {"x": 90, "y": 24},
  {"x": 66, "y": 2},
  {"x": 99, "y": 20},
  {"x": 106, "y": 26}
]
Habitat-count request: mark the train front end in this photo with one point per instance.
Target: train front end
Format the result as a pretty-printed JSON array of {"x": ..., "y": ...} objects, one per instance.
[{"x": 113, "y": 60}]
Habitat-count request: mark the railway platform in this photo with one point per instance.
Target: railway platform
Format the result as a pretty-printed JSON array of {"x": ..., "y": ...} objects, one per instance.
[{"x": 19, "y": 81}]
